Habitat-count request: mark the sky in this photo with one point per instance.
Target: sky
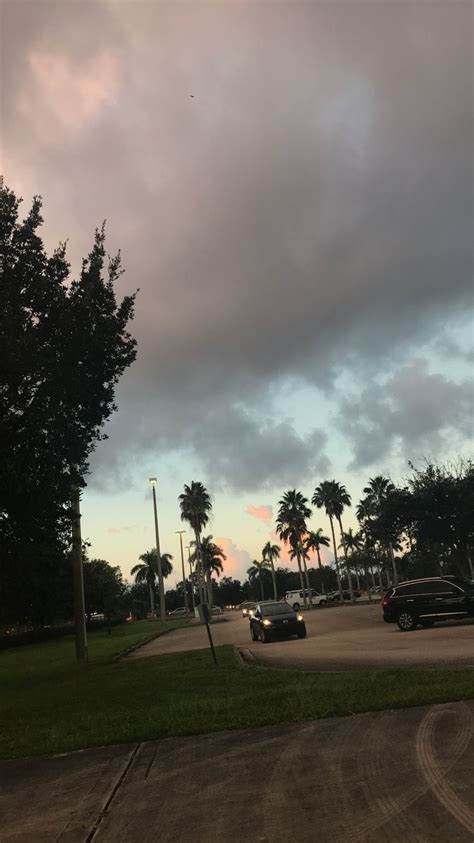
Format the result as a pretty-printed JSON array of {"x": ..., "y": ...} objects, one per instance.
[{"x": 291, "y": 188}]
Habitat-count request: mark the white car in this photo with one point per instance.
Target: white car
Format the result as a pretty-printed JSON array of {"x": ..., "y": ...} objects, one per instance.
[{"x": 296, "y": 598}]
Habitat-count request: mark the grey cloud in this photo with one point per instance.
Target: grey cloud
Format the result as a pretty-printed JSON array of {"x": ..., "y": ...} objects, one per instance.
[
  {"x": 412, "y": 411},
  {"x": 308, "y": 212}
]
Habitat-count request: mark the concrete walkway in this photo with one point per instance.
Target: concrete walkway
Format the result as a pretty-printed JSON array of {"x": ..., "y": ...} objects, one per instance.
[{"x": 406, "y": 776}]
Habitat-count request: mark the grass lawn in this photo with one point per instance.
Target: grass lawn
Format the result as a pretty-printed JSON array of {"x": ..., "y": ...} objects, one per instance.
[{"x": 50, "y": 704}]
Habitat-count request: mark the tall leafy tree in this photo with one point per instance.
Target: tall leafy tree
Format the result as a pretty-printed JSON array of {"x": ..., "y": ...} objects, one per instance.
[
  {"x": 196, "y": 507},
  {"x": 257, "y": 572},
  {"x": 270, "y": 553},
  {"x": 291, "y": 525},
  {"x": 377, "y": 497},
  {"x": 352, "y": 542},
  {"x": 147, "y": 572},
  {"x": 211, "y": 557},
  {"x": 315, "y": 540},
  {"x": 333, "y": 497},
  {"x": 64, "y": 345},
  {"x": 103, "y": 587}
]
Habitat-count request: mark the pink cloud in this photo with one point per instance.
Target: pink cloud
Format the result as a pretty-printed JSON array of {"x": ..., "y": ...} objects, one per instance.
[
  {"x": 237, "y": 561},
  {"x": 262, "y": 512},
  {"x": 64, "y": 96}
]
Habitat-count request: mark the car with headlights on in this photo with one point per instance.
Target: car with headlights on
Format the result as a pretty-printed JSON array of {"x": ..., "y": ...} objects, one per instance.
[
  {"x": 247, "y": 608},
  {"x": 275, "y": 619}
]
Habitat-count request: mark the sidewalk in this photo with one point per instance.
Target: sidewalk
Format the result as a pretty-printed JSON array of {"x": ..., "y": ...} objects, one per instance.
[{"x": 406, "y": 775}]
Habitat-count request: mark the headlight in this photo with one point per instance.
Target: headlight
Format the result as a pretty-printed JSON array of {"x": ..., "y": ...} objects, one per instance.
[
  {"x": 299, "y": 617},
  {"x": 267, "y": 622}
]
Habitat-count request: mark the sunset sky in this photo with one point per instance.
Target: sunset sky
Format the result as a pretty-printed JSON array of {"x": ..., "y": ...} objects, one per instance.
[{"x": 291, "y": 189}]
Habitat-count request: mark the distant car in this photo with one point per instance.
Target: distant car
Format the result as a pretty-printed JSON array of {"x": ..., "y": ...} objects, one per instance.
[
  {"x": 247, "y": 608},
  {"x": 274, "y": 619},
  {"x": 296, "y": 598},
  {"x": 335, "y": 597},
  {"x": 178, "y": 612},
  {"x": 216, "y": 610},
  {"x": 427, "y": 601}
]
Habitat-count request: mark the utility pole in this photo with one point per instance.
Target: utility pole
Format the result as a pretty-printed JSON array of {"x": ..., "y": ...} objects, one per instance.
[
  {"x": 185, "y": 585},
  {"x": 78, "y": 581},
  {"x": 153, "y": 482}
]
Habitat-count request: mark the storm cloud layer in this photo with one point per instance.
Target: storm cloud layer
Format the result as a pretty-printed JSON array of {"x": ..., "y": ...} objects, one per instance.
[{"x": 291, "y": 188}]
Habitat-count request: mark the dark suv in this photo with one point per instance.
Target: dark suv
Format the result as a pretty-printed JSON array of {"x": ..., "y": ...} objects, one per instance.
[
  {"x": 426, "y": 601},
  {"x": 273, "y": 619}
]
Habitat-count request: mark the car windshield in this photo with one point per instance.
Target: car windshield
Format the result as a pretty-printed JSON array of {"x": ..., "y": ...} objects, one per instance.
[{"x": 276, "y": 609}]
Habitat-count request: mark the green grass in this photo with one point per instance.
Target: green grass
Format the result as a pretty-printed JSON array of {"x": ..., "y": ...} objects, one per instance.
[{"x": 49, "y": 704}]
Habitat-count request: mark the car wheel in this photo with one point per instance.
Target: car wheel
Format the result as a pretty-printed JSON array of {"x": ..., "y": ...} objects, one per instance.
[
  {"x": 406, "y": 621},
  {"x": 296, "y": 606},
  {"x": 322, "y": 604},
  {"x": 265, "y": 638},
  {"x": 253, "y": 636},
  {"x": 426, "y": 623},
  {"x": 302, "y": 634}
]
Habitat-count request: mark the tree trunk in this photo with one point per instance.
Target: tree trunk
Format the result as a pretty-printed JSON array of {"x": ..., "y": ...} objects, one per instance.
[
  {"x": 209, "y": 590},
  {"x": 199, "y": 569},
  {"x": 367, "y": 587},
  {"x": 275, "y": 594},
  {"x": 320, "y": 571},
  {"x": 338, "y": 573},
  {"x": 349, "y": 577},
  {"x": 379, "y": 573},
  {"x": 394, "y": 564},
  {"x": 152, "y": 601},
  {"x": 308, "y": 590},
  {"x": 260, "y": 579},
  {"x": 357, "y": 577},
  {"x": 305, "y": 600}
]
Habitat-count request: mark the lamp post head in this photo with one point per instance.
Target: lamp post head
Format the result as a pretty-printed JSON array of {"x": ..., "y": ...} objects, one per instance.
[
  {"x": 152, "y": 481},
  {"x": 180, "y": 532}
]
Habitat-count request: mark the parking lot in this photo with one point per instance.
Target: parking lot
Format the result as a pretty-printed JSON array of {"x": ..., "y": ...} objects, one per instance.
[{"x": 339, "y": 638}]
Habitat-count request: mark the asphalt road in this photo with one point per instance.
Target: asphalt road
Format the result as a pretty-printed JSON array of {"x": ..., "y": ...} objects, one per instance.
[
  {"x": 340, "y": 638},
  {"x": 405, "y": 776}
]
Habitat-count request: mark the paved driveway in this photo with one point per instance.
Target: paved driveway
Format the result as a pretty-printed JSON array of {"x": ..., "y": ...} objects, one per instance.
[
  {"x": 340, "y": 638},
  {"x": 404, "y": 776}
]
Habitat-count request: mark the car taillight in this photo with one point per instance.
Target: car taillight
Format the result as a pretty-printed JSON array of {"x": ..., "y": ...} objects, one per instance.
[{"x": 384, "y": 603}]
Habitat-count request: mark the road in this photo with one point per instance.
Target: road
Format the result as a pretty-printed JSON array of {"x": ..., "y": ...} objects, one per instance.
[
  {"x": 404, "y": 776},
  {"x": 339, "y": 638}
]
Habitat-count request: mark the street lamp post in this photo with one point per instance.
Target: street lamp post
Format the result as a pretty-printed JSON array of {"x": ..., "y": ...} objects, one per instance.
[
  {"x": 191, "y": 577},
  {"x": 185, "y": 585},
  {"x": 157, "y": 538}
]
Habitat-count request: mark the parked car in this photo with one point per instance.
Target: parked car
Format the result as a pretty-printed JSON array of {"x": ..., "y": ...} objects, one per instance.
[
  {"x": 178, "y": 612},
  {"x": 275, "y": 618},
  {"x": 247, "y": 608},
  {"x": 296, "y": 598},
  {"x": 335, "y": 597},
  {"x": 216, "y": 610},
  {"x": 424, "y": 602}
]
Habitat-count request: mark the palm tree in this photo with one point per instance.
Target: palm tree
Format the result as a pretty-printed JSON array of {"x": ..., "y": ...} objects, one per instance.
[
  {"x": 291, "y": 528},
  {"x": 333, "y": 497},
  {"x": 315, "y": 540},
  {"x": 377, "y": 493},
  {"x": 270, "y": 553},
  {"x": 148, "y": 572},
  {"x": 196, "y": 506},
  {"x": 211, "y": 557},
  {"x": 353, "y": 542},
  {"x": 257, "y": 571}
]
